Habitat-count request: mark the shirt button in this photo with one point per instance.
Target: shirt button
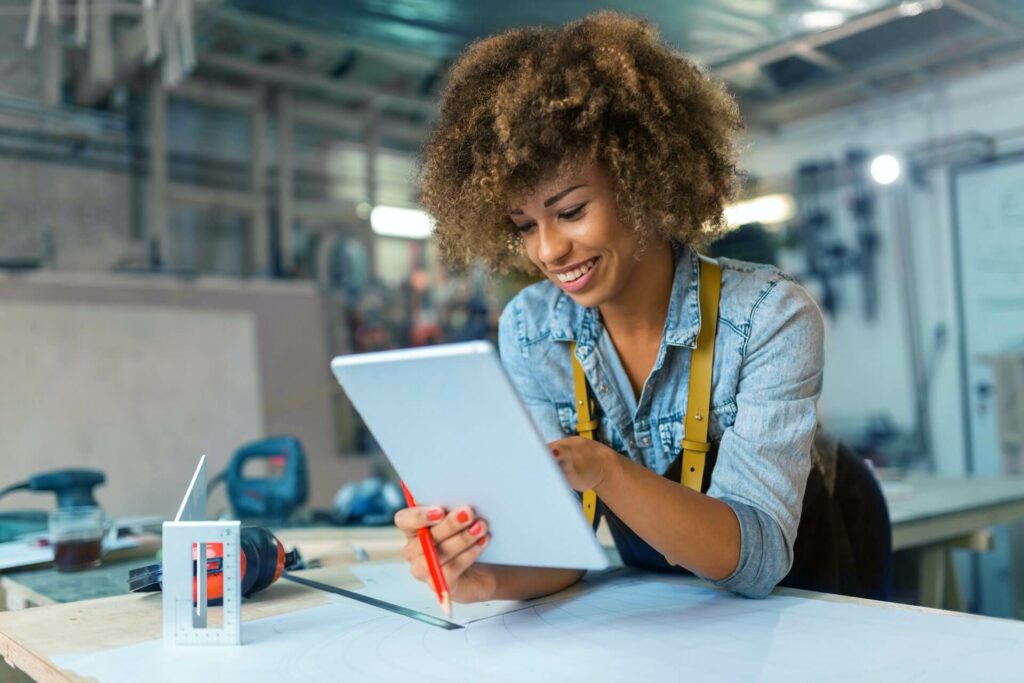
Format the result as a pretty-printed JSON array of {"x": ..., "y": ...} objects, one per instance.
[
  {"x": 603, "y": 388},
  {"x": 646, "y": 441},
  {"x": 632, "y": 444}
]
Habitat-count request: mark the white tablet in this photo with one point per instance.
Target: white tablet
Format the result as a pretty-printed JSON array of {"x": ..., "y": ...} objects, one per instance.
[{"x": 450, "y": 422}]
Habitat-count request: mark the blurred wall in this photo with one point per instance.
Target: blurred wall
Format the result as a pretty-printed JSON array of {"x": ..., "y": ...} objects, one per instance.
[
  {"x": 139, "y": 393},
  {"x": 288, "y": 387},
  {"x": 866, "y": 365}
]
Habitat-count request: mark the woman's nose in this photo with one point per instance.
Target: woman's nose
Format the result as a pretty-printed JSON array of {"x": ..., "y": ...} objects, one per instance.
[{"x": 552, "y": 245}]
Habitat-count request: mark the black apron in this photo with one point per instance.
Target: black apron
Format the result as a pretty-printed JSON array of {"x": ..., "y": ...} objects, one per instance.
[{"x": 843, "y": 543}]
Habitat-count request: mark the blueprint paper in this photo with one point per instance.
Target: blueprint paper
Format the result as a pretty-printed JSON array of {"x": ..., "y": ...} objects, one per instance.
[{"x": 627, "y": 628}]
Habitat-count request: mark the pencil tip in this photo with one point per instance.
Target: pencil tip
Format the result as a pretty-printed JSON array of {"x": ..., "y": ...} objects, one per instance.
[{"x": 446, "y": 605}]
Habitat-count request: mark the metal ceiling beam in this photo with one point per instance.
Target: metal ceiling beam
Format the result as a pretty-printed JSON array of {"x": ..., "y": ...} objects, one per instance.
[
  {"x": 301, "y": 80},
  {"x": 217, "y": 95},
  {"x": 744, "y": 62},
  {"x": 211, "y": 198},
  {"x": 819, "y": 59},
  {"x": 972, "y": 11},
  {"x": 848, "y": 89},
  {"x": 249, "y": 22},
  {"x": 352, "y": 121}
]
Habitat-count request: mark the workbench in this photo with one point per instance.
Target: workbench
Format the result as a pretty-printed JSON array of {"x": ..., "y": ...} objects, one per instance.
[
  {"x": 934, "y": 516},
  {"x": 931, "y": 516},
  {"x": 31, "y": 638}
]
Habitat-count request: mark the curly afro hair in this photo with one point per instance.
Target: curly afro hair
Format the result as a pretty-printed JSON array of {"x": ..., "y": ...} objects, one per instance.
[{"x": 522, "y": 106}]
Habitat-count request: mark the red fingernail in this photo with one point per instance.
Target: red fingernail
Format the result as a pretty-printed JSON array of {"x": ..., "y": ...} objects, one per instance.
[
  {"x": 463, "y": 516},
  {"x": 435, "y": 515},
  {"x": 483, "y": 541},
  {"x": 554, "y": 451},
  {"x": 476, "y": 528}
]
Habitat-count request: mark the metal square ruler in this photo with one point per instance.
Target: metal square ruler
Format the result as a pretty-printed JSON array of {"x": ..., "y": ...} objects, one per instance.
[{"x": 186, "y": 618}]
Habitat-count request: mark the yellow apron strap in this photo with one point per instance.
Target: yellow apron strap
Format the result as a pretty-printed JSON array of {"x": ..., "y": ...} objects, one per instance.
[
  {"x": 695, "y": 445},
  {"x": 698, "y": 403},
  {"x": 585, "y": 424}
]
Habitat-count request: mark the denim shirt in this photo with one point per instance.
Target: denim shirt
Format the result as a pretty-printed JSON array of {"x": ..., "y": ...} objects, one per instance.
[{"x": 767, "y": 377}]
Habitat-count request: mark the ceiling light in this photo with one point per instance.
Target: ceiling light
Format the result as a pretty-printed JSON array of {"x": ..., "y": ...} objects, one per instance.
[
  {"x": 768, "y": 209},
  {"x": 822, "y": 19},
  {"x": 391, "y": 221},
  {"x": 885, "y": 169},
  {"x": 911, "y": 9},
  {"x": 845, "y": 5}
]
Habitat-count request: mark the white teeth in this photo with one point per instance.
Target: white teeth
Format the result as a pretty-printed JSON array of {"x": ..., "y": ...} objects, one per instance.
[{"x": 576, "y": 274}]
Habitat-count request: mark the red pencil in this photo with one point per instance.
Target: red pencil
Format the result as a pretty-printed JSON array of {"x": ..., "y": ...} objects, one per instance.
[{"x": 433, "y": 563}]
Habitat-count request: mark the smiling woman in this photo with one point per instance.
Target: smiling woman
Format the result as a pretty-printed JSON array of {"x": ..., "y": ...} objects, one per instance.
[
  {"x": 598, "y": 158},
  {"x": 525, "y": 105}
]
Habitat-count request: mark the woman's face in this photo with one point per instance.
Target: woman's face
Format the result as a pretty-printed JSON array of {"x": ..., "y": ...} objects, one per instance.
[{"x": 571, "y": 232}]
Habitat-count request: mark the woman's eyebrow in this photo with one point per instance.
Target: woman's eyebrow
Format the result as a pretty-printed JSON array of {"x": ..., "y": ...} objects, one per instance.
[{"x": 551, "y": 200}]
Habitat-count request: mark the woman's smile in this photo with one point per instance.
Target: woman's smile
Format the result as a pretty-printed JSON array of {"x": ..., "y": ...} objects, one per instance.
[{"x": 577, "y": 277}]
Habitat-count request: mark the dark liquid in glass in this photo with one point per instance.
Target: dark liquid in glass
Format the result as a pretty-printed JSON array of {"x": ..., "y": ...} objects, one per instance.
[{"x": 78, "y": 554}]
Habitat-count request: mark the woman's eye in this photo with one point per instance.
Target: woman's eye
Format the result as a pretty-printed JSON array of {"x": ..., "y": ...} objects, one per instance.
[
  {"x": 572, "y": 213},
  {"x": 525, "y": 228}
]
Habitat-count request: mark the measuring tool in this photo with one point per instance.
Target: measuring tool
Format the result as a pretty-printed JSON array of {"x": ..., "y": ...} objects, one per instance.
[
  {"x": 391, "y": 607},
  {"x": 185, "y": 611},
  {"x": 191, "y": 542}
]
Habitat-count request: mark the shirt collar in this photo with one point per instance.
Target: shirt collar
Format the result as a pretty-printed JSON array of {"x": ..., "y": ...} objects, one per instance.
[{"x": 570, "y": 322}]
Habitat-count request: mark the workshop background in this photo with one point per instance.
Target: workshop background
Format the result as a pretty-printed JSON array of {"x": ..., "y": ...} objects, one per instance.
[{"x": 203, "y": 201}]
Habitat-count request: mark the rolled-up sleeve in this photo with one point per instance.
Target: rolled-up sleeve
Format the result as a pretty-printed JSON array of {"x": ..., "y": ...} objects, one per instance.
[
  {"x": 764, "y": 458},
  {"x": 515, "y": 359}
]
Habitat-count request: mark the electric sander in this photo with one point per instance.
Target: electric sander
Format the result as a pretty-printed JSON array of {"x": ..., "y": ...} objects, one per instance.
[{"x": 73, "y": 487}]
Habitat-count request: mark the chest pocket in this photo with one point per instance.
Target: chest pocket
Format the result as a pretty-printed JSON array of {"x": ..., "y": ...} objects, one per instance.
[{"x": 606, "y": 432}]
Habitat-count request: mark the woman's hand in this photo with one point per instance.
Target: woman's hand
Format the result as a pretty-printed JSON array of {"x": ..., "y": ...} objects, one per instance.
[
  {"x": 459, "y": 538},
  {"x": 586, "y": 463}
]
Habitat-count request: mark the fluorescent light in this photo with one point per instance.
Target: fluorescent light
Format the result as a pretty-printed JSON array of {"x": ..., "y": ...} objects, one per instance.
[
  {"x": 844, "y": 5},
  {"x": 391, "y": 221},
  {"x": 768, "y": 209},
  {"x": 822, "y": 19},
  {"x": 911, "y": 8},
  {"x": 885, "y": 169}
]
